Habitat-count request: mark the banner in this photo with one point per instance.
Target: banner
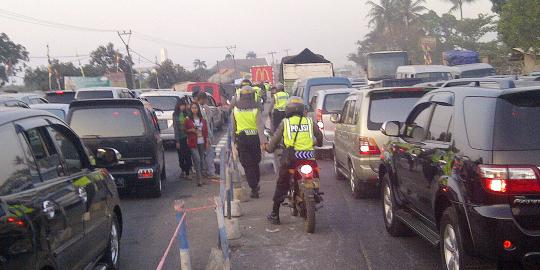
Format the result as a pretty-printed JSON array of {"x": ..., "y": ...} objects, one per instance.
[
  {"x": 117, "y": 79},
  {"x": 262, "y": 74},
  {"x": 76, "y": 82}
]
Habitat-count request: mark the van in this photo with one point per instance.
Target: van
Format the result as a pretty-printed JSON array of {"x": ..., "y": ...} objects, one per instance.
[
  {"x": 428, "y": 73},
  {"x": 307, "y": 88},
  {"x": 129, "y": 126},
  {"x": 210, "y": 88},
  {"x": 103, "y": 92},
  {"x": 478, "y": 70}
]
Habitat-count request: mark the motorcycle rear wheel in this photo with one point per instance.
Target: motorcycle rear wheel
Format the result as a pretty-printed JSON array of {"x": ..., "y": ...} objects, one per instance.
[{"x": 309, "y": 222}]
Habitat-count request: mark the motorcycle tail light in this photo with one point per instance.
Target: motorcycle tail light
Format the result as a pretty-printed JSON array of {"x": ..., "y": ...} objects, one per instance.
[{"x": 306, "y": 171}]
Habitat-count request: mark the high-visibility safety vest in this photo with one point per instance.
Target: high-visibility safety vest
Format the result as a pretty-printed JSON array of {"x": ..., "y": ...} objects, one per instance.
[
  {"x": 267, "y": 87},
  {"x": 304, "y": 141},
  {"x": 280, "y": 100},
  {"x": 246, "y": 121},
  {"x": 257, "y": 92}
]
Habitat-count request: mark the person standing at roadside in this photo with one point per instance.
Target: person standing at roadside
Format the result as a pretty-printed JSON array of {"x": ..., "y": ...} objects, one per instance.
[
  {"x": 209, "y": 168},
  {"x": 184, "y": 153},
  {"x": 248, "y": 133},
  {"x": 197, "y": 138}
]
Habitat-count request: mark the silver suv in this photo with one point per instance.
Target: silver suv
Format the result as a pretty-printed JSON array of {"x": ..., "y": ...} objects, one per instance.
[{"x": 357, "y": 139}]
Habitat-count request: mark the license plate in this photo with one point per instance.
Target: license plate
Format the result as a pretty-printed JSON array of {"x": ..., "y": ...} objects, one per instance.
[{"x": 120, "y": 181}]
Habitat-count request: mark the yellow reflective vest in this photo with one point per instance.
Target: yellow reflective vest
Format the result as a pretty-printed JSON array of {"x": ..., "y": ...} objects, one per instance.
[
  {"x": 280, "y": 100},
  {"x": 246, "y": 121},
  {"x": 304, "y": 141}
]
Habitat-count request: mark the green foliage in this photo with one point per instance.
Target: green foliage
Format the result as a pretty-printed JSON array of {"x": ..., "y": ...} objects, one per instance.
[
  {"x": 168, "y": 74},
  {"x": 519, "y": 24},
  {"x": 497, "y": 5},
  {"x": 106, "y": 59},
  {"x": 199, "y": 64},
  {"x": 12, "y": 55},
  {"x": 38, "y": 78},
  {"x": 251, "y": 55},
  {"x": 457, "y": 5}
]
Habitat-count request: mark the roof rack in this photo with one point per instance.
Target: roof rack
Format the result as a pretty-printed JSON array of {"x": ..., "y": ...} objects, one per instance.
[{"x": 504, "y": 83}]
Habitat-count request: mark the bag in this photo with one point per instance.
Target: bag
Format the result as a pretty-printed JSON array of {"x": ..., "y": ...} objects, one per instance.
[{"x": 289, "y": 154}]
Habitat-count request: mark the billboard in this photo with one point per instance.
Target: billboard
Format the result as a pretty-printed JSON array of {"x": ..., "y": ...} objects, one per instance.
[
  {"x": 77, "y": 82},
  {"x": 117, "y": 79},
  {"x": 262, "y": 74}
]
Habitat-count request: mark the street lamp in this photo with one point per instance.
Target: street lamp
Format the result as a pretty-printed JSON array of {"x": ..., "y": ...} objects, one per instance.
[{"x": 154, "y": 71}]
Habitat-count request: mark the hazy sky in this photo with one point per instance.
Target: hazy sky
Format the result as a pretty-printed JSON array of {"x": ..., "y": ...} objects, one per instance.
[{"x": 327, "y": 27}]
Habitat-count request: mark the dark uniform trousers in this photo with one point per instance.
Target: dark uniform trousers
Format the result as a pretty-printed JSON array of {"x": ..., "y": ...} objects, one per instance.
[
  {"x": 249, "y": 153},
  {"x": 277, "y": 117},
  {"x": 283, "y": 182}
]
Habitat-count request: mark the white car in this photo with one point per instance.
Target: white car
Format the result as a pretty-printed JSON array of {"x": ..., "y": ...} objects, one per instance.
[{"x": 103, "y": 92}]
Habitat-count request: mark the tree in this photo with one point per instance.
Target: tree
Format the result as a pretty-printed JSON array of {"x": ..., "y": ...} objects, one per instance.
[
  {"x": 458, "y": 5},
  {"x": 251, "y": 55},
  {"x": 169, "y": 74},
  {"x": 11, "y": 55},
  {"x": 199, "y": 64},
  {"x": 228, "y": 56},
  {"x": 106, "y": 59},
  {"x": 38, "y": 78},
  {"x": 519, "y": 24},
  {"x": 497, "y": 5}
]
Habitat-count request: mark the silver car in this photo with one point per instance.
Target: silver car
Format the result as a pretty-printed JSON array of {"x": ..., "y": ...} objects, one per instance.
[{"x": 321, "y": 107}]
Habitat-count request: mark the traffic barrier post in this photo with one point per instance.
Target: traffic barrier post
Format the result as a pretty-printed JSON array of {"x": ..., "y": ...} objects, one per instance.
[
  {"x": 185, "y": 260},
  {"x": 224, "y": 241}
]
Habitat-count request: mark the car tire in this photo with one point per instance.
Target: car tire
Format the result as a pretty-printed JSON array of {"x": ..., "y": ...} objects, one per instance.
[
  {"x": 155, "y": 191},
  {"x": 393, "y": 226},
  {"x": 358, "y": 190},
  {"x": 337, "y": 173},
  {"x": 111, "y": 256},
  {"x": 163, "y": 175},
  {"x": 451, "y": 247}
]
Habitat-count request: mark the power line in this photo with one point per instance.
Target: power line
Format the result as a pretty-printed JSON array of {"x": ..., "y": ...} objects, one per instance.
[
  {"x": 82, "y": 56},
  {"x": 146, "y": 37}
]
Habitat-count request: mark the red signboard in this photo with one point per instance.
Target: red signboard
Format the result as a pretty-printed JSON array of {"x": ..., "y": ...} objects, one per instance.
[{"x": 262, "y": 74}]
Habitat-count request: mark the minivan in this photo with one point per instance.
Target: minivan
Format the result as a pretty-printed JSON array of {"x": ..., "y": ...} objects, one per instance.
[
  {"x": 59, "y": 209},
  {"x": 131, "y": 127},
  {"x": 357, "y": 140},
  {"x": 307, "y": 88},
  {"x": 428, "y": 73},
  {"x": 103, "y": 92}
]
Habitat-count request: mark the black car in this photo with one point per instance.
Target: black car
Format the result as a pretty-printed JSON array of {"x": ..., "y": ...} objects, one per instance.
[
  {"x": 60, "y": 96},
  {"x": 131, "y": 127},
  {"x": 463, "y": 173},
  {"x": 58, "y": 210}
]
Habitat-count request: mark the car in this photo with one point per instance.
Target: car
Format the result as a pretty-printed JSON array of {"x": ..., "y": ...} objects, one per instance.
[
  {"x": 60, "y": 96},
  {"x": 463, "y": 172},
  {"x": 358, "y": 83},
  {"x": 59, "y": 207},
  {"x": 357, "y": 140},
  {"x": 103, "y": 92},
  {"x": 164, "y": 103},
  {"x": 427, "y": 73},
  {"x": 321, "y": 106},
  {"x": 6, "y": 101},
  {"x": 477, "y": 70},
  {"x": 131, "y": 127},
  {"x": 58, "y": 109},
  {"x": 27, "y": 98},
  {"x": 307, "y": 88}
]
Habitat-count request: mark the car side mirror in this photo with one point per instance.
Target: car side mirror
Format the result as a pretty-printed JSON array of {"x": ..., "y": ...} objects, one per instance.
[
  {"x": 107, "y": 157},
  {"x": 335, "y": 118},
  {"x": 391, "y": 128}
]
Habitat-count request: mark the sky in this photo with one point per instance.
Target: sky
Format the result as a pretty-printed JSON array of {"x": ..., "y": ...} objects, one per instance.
[{"x": 330, "y": 28}]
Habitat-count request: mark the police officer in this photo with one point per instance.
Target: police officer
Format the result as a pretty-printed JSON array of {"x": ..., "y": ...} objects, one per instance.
[
  {"x": 297, "y": 131},
  {"x": 279, "y": 100},
  {"x": 244, "y": 82},
  {"x": 248, "y": 132}
]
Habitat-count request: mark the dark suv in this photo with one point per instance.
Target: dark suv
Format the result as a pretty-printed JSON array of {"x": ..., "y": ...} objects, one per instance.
[
  {"x": 462, "y": 172},
  {"x": 131, "y": 127},
  {"x": 57, "y": 209}
]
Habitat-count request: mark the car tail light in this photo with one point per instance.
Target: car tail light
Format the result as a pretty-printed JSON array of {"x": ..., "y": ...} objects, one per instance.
[
  {"x": 145, "y": 173},
  {"x": 368, "y": 146},
  {"x": 502, "y": 179},
  {"x": 318, "y": 117},
  {"x": 59, "y": 92},
  {"x": 16, "y": 221},
  {"x": 306, "y": 171}
]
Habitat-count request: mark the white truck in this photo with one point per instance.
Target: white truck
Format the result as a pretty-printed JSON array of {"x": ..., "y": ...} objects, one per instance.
[{"x": 303, "y": 66}]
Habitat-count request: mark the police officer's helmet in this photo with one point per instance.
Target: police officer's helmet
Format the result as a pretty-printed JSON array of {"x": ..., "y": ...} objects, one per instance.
[
  {"x": 246, "y": 82},
  {"x": 246, "y": 90},
  {"x": 295, "y": 106}
]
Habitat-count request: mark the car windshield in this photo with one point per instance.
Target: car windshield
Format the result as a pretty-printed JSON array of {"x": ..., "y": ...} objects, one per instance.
[
  {"x": 60, "y": 97},
  {"x": 478, "y": 73},
  {"x": 316, "y": 88},
  {"x": 434, "y": 76},
  {"x": 391, "y": 106},
  {"x": 107, "y": 122},
  {"x": 96, "y": 94},
  {"x": 516, "y": 122},
  {"x": 163, "y": 103},
  {"x": 60, "y": 113},
  {"x": 334, "y": 102}
]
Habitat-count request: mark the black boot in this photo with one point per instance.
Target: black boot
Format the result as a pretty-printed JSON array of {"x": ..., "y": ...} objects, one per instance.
[
  {"x": 273, "y": 217},
  {"x": 255, "y": 193}
]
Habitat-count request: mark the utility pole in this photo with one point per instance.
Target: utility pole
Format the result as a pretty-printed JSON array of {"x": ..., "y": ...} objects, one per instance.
[
  {"x": 49, "y": 68},
  {"x": 80, "y": 65},
  {"x": 287, "y": 51},
  {"x": 232, "y": 51},
  {"x": 130, "y": 62},
  {"x": 272, "y": 54}
]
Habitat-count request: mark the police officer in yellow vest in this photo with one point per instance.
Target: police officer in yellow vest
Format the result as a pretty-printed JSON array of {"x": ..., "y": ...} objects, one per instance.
[
  {"x": 297, "y": 131},
  {"x": 248, "y": 131},
  {"x": 279, "y": 101}
]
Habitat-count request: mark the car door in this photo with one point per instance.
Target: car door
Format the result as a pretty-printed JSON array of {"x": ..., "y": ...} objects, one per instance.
[
  {"x": 409, "y": 151},
  {"x": 339, "y": 133},
  {"x": 435, "y": 159},
  {"x": 18, "y": 213},
  {"x": 90, "y": 186},
  {"x": 154, "y": 129},
  {"x": 348, "y": 131},
  {"x": 62, "y": 204}
]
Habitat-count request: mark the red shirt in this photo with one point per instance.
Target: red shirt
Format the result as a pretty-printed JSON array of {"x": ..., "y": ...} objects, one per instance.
[{"x": 192, "y": 136}]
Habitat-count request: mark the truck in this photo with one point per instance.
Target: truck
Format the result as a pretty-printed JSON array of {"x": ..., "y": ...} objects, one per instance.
[
  {"x": 303, "y": 66},
  {"x": 383, "y": 65}
]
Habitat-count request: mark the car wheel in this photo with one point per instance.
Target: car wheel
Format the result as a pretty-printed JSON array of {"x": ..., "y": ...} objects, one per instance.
[
  {"x": 163, "y": 173},
  {"x": 358, "y": 190},
  {"x": 337, "y": 174},
  {"x": 393, "y": 226},
  {"x": 112, "y": 253},
  {"x": 155, "y": 191},
  {"x": 451, "y": 247}
]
